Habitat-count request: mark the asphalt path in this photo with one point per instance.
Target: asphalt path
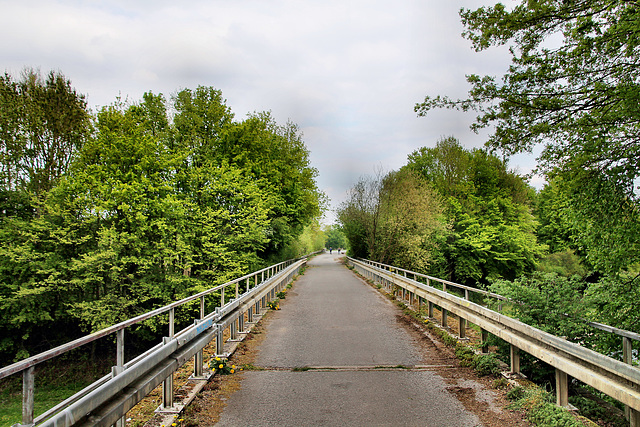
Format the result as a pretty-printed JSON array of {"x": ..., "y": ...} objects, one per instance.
[{"x": 335, "y": 355}]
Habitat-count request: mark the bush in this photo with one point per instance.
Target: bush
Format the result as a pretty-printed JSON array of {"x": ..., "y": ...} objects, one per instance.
[
  {"x": 486, "y": 364},
  {"x": 540, "y": 409},
  {"x": 465, "y": 354}
]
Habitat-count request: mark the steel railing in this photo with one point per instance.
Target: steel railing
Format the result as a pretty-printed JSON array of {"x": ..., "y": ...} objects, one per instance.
[
  {"x": 615, "y": 378},
  {"x": 246, "y": 294}
]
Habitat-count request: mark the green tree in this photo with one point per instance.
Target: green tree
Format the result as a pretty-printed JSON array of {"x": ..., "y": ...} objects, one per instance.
[
  {"x": 492, "y": 231},
  {"x": 395, "y": 219},
  {"x": 272, "y": 155},
  {"x": 152, "y": 241},
  {"x": 335, "y": 237},
  {"x": 573, "y": 88},
  {"x": 43, "y": 122},
  {"x": 276, "y": 157},
  {"x": 163, "y": 200}
]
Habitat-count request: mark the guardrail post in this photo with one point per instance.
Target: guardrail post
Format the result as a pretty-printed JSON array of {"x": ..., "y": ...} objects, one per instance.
[
  {"x": 562, "y": 388},
  {"x": 28, "y": 386},
  {"x": 250, "y": 315},
  {"x": 119, "y": 366},
  {"x": 222, "y": 297},
  {"x": 484, "y": 338},
  {"x": 631, "y": 414},
  {"x": 430, "y": 310},
  {"x": 120, "y": 349},
  {"x": 514, "y": 353},
  {"x": 167, "y": 385},
  {"x": 444, "y": 317},
  {"x": 219, "y": 341},
  {"x": 237, "y": 290},
  {"x": 462, "y": 326},
  {"x": 198, "y": 358},
  {"x": 241, "y": 323},
  {"x": 233, "y": 335},
  {"x": 172, "y": 315}
]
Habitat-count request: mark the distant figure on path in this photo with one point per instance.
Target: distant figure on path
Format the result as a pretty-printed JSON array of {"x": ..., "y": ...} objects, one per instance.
[{"x": 330, "y": 250}]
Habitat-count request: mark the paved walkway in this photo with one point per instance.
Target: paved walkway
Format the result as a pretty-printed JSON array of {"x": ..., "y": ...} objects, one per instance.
[{"x": 329, "y": 355}]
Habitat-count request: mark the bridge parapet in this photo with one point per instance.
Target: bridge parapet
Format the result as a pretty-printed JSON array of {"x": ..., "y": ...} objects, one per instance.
[
  {"x": 617, "y": 379},
  {"x": 103, "y": 402}
]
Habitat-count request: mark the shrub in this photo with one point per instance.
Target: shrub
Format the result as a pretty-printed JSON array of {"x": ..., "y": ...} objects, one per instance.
[{"x": 486, "y": 364}]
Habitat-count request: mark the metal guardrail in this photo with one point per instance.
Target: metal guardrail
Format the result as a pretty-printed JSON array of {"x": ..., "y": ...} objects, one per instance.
[
  {"x": 615, "y": 378},
  {"x": 467, "y": 289},
  {"x": 141, "y": 375}
]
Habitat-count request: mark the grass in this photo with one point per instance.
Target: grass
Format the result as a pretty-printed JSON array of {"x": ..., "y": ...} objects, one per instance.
[
  {"x": 55, "y": 381},
  {"x": 46, "y": 396}
]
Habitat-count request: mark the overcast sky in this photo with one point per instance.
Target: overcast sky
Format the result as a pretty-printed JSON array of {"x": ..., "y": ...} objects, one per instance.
[{"x": 348, "y": 72}]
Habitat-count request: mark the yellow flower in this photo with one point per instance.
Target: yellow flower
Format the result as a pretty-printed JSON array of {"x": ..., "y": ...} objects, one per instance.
[
  {"x": 221, "y": 366},
  {"x": 173, "y": 425},
  {"x": 217, "y": 358},
  {"x": 232, "y": 371},
  {"x": 233, "y": 366}
]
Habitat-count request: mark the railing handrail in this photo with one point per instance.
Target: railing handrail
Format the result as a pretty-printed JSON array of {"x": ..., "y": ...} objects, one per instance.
[
  {"x": 106, "y": 402},
  {"x": 601, "y": 326},
  {"x": 618, "y": 379},
  {"x": 46, "y": 355}
]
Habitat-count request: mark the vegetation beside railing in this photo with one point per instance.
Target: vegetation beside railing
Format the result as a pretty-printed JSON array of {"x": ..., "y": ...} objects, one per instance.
[{"x": 516, "y": 336}]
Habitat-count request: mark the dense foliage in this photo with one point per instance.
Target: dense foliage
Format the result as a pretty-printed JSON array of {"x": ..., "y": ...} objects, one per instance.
[
  {"x": 394, "y": 219},
  {"x": 492, "y": 232},
  {"x": 106, "y": 216},
  {"x": 572, "y": 88},
  {"x": 335, "y": 238}
]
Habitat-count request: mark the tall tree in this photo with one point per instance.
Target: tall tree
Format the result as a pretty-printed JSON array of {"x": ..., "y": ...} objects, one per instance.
[
  {"x": 395, "y": 219},
  {"x": 574, "y": 87},
  {"x": 276, "y": 157},
  {"x": 492, "y": 229},
  {"x": 43, "y": 122}
]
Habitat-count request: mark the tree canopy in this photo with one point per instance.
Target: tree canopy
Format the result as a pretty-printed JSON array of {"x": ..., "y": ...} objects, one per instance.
[
  {"x": 108, "y": 215},
  {"x": 394, "y": 219},
  {"x": 492, "y": 232},
  {"x": 43, "y": 122},
  {"x": 573, "y": 87}
]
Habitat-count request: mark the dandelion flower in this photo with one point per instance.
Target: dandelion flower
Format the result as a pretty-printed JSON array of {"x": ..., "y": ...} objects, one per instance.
[
  {"x": 232, "y": 371},
  {"x": 173, "y": 425},
  {"x": 233, "y": 366},
  {"x": 221, "y": 366}
]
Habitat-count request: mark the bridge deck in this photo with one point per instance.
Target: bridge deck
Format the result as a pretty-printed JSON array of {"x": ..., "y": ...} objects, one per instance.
[{"x": 331, "y": 357}]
